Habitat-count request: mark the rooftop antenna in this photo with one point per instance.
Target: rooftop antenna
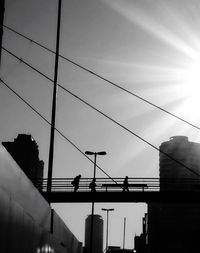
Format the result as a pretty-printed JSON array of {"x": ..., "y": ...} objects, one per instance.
[{"x": 53, "y": 115}]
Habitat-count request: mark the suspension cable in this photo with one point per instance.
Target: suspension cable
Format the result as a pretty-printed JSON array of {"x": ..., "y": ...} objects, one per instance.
[
  {"x": 58, "y": 131},
  {"x": 105, "y": 115},
  {"x": 105, "y": 79}
]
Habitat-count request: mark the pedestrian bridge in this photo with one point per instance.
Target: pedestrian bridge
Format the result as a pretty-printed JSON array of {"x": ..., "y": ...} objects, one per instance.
[{"x": 145, "y": 190}]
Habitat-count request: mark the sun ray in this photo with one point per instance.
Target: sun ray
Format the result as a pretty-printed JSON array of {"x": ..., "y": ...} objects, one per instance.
[{"x": 140, "y": 17}]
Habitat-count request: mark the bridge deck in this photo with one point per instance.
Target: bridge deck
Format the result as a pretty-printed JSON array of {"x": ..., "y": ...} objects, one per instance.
[
  {"x": 111, "y": 190},
  {"x": 124, "y": 197}
]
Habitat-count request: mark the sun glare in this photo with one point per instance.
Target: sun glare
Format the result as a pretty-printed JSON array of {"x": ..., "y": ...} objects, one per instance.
[
  {"x": 192, "y": 80},
  {"x": 190, "y": 88},
  {"x": 173, "y": 29}
]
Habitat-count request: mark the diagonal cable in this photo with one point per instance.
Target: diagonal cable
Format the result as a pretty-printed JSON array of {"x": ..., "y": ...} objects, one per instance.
[
  {"x": 39, "y": 114},
  {"x": 105, "y": 79},
  {"x": 105, "y": 115}
]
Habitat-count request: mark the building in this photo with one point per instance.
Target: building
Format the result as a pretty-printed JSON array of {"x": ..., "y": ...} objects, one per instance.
[
  {"x": 185, "y": 152},
  {"x": 141, "y": 241},
  {"x": 97, "y": 236},
  {"x": 176, "y": 227},
  {"x": 27, "y": 222},
  {"x": 25, "y": 152}
]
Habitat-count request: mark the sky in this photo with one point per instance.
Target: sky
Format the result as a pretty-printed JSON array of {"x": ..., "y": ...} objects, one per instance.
[{"x": 148, "y": 47}]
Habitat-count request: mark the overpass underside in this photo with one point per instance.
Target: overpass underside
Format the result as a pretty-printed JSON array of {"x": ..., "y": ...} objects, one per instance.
[{"x": 124, "y": 197}]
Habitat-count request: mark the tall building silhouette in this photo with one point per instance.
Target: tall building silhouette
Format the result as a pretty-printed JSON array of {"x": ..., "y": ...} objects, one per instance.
[
  {"x": 140, "y": 242},
  {"x": 97, "y": 238},
  {"x": 25, "y": 152},
  {"x": 176, "y": 227},
  {"x": 183, "y": 151}
]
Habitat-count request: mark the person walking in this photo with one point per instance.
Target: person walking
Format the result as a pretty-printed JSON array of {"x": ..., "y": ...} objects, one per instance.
[
  {"x": 75, "y": 182},
  {"x": 92, "y": 185},
  {"x": 125, "y": 185}
]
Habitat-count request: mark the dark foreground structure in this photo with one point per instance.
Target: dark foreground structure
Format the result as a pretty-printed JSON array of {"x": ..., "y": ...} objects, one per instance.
[
  {"x": 97, "y": 236},
  {"x": 27, "y": 222},
  {"x": 174, "y": 227}
]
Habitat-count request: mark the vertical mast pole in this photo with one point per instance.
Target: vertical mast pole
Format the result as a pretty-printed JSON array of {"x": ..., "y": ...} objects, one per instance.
[
  {"x": 124, "y": 236},
  {"x": 53, "y": 115},
  {"x": 2, "y": 9}
]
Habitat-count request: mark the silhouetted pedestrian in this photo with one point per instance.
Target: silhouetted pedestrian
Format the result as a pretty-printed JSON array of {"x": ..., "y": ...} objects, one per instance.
[
  {"x": 92, "y": 185},
  {"x": 125, "y": 184},
  {"x": 75, "y": 182}
]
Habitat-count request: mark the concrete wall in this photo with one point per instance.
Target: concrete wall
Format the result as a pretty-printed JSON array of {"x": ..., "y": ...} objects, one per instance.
[{"x": 25, "y": 216}]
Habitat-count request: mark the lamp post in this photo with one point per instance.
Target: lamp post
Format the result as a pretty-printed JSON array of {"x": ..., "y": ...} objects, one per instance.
[
  {"x": 92, "y": 215},
  {"x": 124, "y": 235},
  {"x": 107, "y": 216},
  {"x": 95, "y": 158}
]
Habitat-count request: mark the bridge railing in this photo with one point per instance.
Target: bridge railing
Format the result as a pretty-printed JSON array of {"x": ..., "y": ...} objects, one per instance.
[{"x": 116, "y": 184}]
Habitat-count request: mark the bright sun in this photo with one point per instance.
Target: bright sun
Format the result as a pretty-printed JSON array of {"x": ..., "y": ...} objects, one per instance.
[{"x": 190, "y": 88}]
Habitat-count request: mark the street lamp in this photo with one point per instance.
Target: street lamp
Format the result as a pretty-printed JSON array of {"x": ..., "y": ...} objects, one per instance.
[
  {"x": 107, "y": 212},
  {"x": 95, "y": 158},
  {"x": 92, "y": 215}
]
